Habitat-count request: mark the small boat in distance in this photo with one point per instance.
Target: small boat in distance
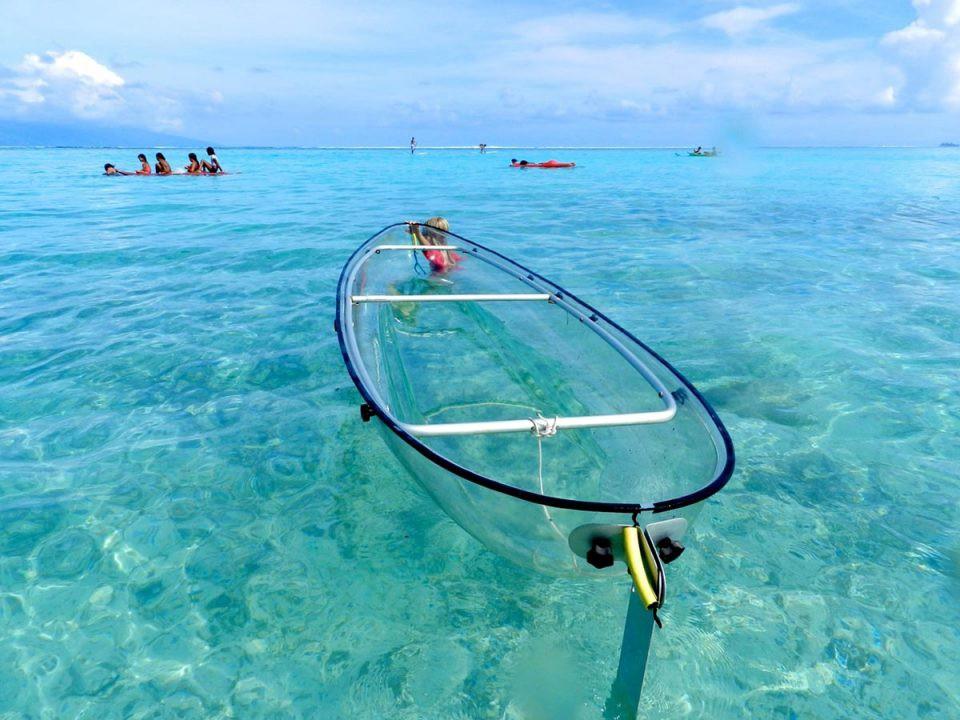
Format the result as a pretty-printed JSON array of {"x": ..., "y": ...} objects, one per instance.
[{"x": 544, "y": 429}]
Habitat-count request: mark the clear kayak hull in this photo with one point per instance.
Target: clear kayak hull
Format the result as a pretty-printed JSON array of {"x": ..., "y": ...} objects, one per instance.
[{"x": 522, "y": 410}]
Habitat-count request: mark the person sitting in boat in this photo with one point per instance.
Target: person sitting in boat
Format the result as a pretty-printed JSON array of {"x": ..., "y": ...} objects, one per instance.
[
  {"x": 211, "y": 166},
  {"x": 441, "y": 261},
  {"x": 194, "y": 168},
  {"x": 144, "y": 165},
  {"x": 109, "y": 169},
  {"x": 163, "y": 167}
]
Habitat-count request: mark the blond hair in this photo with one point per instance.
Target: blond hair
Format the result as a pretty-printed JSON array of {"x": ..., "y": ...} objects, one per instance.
[{"x": 430, "y": 238}]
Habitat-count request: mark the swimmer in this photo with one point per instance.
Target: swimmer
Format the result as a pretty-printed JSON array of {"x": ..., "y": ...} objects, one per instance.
[{"x": 109, "y": 169}]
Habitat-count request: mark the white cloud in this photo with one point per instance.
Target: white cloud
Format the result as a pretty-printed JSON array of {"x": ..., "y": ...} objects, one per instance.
[
  {"x": 928, "y": 51},
  {"x": 914, "y": 35},
  {"x": 27, "y": 91},
  {"x": 796, "y": 75},
  {"x": 70, "y": 80},
  {"x": 71, "y": 65},
  {"x": 743, "y": 19},
  {"x": 55, "y": 86}
]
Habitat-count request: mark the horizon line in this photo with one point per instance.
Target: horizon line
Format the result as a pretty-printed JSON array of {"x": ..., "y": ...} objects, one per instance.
[{"x": 406, "y": 148}]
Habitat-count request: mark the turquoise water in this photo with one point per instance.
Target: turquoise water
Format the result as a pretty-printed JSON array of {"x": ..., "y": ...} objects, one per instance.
[{"x": 194, "y": 524}]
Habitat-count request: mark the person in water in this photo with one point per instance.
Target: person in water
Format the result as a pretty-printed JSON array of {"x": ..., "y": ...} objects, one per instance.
[
  {"x": 109, "y": 169},
  {"x": 413, "y": 145},
  {"x": 163, "y": 167},
  {"x": 144, "y": 165},
  {"x": 211, "y": 166},
  {"x": 441, "y": 261},
  {"x": 483, "y": 148},
  {"x": 514, "y": 161},
  {"x": 698, "y": 151},
  {"x": 194, "y": 168}
]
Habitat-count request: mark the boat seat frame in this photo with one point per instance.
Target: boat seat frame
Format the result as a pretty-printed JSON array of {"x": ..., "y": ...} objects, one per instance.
[{"x": 663, "y": 415}]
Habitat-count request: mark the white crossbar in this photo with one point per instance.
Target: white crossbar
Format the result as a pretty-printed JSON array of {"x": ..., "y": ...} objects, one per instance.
[
  {"x": 416, "y": 247},
  {"x": 560, "y": 423},
  {"x": 516, "y": 297}
]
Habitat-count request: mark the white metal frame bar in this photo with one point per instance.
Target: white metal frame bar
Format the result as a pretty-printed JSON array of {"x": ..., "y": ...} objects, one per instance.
[
  {"x": 580, "y": 422},
  {"x": 479, "y": 297},
  {"x": 416, "y": 247}
]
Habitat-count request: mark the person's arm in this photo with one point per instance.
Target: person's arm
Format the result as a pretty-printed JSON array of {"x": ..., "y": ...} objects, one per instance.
[{"x": 414, "y": 230}]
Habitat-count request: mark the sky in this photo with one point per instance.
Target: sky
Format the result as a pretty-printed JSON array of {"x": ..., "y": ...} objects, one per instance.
[{"x": 319, "y": 73}]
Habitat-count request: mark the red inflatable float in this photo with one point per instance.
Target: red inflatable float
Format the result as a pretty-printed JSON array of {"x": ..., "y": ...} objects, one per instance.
[{"x": 547, "y": 164}]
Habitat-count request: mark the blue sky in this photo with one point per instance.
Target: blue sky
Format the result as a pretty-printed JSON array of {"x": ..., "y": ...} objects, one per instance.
[{"x": 295, "y": 72}]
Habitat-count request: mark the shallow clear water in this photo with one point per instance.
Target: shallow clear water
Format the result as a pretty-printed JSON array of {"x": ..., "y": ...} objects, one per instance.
[{"x": 194, "y": 523}]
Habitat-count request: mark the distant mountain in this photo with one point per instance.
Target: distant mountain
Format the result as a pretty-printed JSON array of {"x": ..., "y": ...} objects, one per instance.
[
  {"x": 949, "y": 145},
  {"x": 84, "y": 134}
]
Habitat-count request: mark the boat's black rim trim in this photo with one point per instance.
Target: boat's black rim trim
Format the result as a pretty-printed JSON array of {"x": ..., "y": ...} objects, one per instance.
[{"x": 682, "y": 501}]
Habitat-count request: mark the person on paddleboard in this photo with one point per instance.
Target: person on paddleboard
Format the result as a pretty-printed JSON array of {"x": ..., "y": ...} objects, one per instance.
[
  {"x": 162, "y": 167},
  {"x": 144, "y": 165},
  {"x": 110, "y": 169},
  {"x": 441, "y": 261},
  {"x": 413, "y": 145},
  {"x": 194, "y": 168},
  {"x": 211, "y": 166}
]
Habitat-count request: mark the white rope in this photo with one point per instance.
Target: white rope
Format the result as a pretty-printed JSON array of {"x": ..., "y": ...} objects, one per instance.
[{"x": 542, "y": 428}]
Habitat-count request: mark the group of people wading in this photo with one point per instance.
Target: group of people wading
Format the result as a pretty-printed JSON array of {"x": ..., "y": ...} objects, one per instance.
[{"x": 210, "y": 166}]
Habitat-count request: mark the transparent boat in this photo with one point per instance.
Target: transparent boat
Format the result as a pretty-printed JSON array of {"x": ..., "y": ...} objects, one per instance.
[
  {"x": 525, "y": 412},
  {"x": 547, "y": 431}
]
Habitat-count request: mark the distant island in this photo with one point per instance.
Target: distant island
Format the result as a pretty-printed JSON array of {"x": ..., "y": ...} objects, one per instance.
[
  {"x": 85, "y": 134},
  {"x": 949, "y": 145}
]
